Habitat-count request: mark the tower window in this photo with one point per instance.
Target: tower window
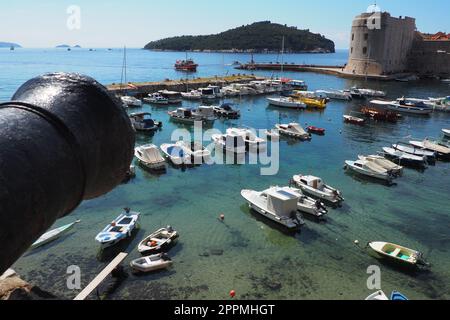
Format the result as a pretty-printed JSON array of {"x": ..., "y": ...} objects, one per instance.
[
  {"x": 365, "y": 50},
  {"x": 353, "y": 36},
  {"x": 374, "y": 21},
  {"x": 351, "y": 50}
]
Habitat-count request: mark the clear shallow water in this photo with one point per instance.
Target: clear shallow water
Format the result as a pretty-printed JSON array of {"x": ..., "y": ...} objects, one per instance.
[{"x": 245, "y": 253}]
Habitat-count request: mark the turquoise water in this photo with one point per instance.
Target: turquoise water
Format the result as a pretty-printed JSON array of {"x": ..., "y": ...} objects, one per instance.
[{"x": 244, "y": 253}]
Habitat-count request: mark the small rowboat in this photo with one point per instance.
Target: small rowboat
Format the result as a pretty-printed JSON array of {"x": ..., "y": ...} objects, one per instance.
[
  {"x": 158, "y": 240},
  {"x": 53, "y": 235},
  {"x": 151, "y": 263},
  {"x": 377, "y": 296},
  {"x": 316, "y": 130},
  {"x": 354, "y": 120},
  {"x": 395, "y": 252}
]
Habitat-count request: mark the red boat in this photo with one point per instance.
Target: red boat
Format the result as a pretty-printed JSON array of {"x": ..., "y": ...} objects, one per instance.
[
  {"x": 186, "y": 65},
  {"x": 316, "y": 130}
]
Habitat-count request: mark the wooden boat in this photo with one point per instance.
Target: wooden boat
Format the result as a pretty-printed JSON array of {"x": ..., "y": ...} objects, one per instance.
[
  {"x": 53, "y": 235},
  {"x": 380, "y": 115},
  {"x": 119, "y": 229},
  {"x": 151, "y": 263},
  {"x": 316, "y": 130},
  {"x": 293, "y": 130},
  {"x": 187, "y": 65},
  {"x": 397, "y": 296},
  {"x": 158, "y": 241},
  {"x": 354, "y": 120},
  {"x": 149, "y": 157},
  {"x": 398, "y": 253},
  {"x": 315, "y": 187},
  {"x": 377, "y": 296}
]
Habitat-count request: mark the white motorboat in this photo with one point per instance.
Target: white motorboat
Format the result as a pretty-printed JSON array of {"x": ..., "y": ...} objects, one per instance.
[
  {"x": 192, "y": 95},
  {"x": 149, "y": 157},
  {"x": 230, "y": 142},
  {"x": 131, "y": 101},
  {"x": 430, "y": 155},
  {"x": 336, "y": 94},
  {"x": 390, "y": 166},
  {"x": 156, "y": 98},
  {"x": 377, "y": 296},
  {"x": 398, "y": 253},
  {"x": 412, "y": 108},
  {"x": 216, "y": 90},
  {"x": 297, "y": 85},
  {"x": 158, "y": 241},
  {"x": 316, "y": 188},
  {"x": 310, "y": 206},
  {"x": 293, "y": 130},
  {"x": 184, "y": 115},
  {"x": 244, "y": 89},
  {"x": 353, "y": 119},
  {"x": 361, "y": 93},
  {"x": 230, "y": 91},
  {"x": 176, "y": 154},
  {"x": 443, "y": 152},
  {"x": 194, "y": 151},
  {"x": 405, "y": 158},
  {"x": 277, "y": 204},
  {"x": 143, "y": 121},
  {"x": 251, "y": 140},
  {"x": 446, "y": 133},
  {"x": 208, "y": 93},
  {"x": 53, "y": 235},
  {"x": 287, "y": 102},
  {"x": 151, "y": 263},
  {"x": 369, "y": 169},
  {"x": 172, "y": 96},
  {"x": 206, "y": 113},
  {"x": 121, "y": 228},
  {"x": 226, "y": 110}
]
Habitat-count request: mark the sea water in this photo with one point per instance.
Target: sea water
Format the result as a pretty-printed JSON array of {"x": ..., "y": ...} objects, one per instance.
[{"x": 245, "y": 253}]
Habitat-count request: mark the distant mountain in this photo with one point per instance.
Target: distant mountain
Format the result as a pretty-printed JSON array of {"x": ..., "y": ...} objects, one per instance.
[
  {"x": 9, "y": 45},
  {"x": 77, "y": 46},
  {"x": 63, "y": 46},
  {"x": 257, "y": 37}
]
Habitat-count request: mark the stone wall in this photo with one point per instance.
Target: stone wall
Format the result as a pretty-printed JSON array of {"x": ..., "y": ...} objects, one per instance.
[{"x": 430, "y": 58}]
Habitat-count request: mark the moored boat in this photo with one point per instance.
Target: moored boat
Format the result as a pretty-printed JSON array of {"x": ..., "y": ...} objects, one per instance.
[
  {"x": 158, "y": 241},
  {"x": 369, "y": 169},
  {"x": 175, "y": 153},
  {"x": 192, "y": 95},
  {"x": 119, "y": 229},
  {"x": 185, "y": 115},
  {"x": 156, "y": 98},
  {"x": 226, "y": 110},
  {"x": 316, "y": 130},
  {"x": 143, "y": 121},
  {"x": 151, "y": 263},
  {"x": 293, "y": 130},
  {"x": 251, "y": 140},
  {"x": 205, "y": 113},
  {"x": 446, "y": 133},
  {"x": 172, "y": 96},
  {"x": 336, "y": 94},
  {"x": 194, "y": 151},
  {"x": 403, "y": 107},
  {"x": 287, "y": 102},
  {"x": 377, "y": 296},
  {"x": 52, "y": 235},
  {"x": 397, "y": 253},
  {"x": 131, "y": 101},
  {"x": 390, "y": 166},
  {"x": 149, "y": 157},
  {"x": 316, "y": 188},
  {"x": 230, "y": 142},
  {"x": 398, "y": 296},
  {"x": 354, "y": 120},
  {"x": 405, "y": 158},
  {"x": 430, "y": 155},
  {"x": 443, "y": 152},
  {"x": 187, "y": 65},
  {"x": 380, "y": 115}
]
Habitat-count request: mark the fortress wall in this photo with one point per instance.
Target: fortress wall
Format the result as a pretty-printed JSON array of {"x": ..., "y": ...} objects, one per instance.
[{"x": 430, "y": 58}]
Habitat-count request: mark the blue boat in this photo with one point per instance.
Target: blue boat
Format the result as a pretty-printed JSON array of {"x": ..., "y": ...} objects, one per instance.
[{"x": 397, "y": 296}]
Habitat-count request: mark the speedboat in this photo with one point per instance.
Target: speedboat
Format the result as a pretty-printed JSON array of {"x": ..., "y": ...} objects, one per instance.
[
  {"x": 377, "y": 296},
  {"x": 52, "y": 235},
  {"x": 398, "y": 253},
  {"x": 310, "y": 206},
  {"x": 354, "y": 120},
  {"x": 149, "y": 157},
  {"x": 158, "y": 241},
  {"x": 369, "y": 169},
  {"x": 316, "y": 130},
  {"x": 143, "y": 121},
  {"x": 315, "y": 187},
  {"x": 446, "y": 133},
  {"x": 195, "y": 151},
  {"x": 156, "y": 98},
  {"x": 277, "y": 204},
  {"x": 184, "y": 115},
  {"x": 293, "y": 130},
  {"x": 336, "y": 94},
  {"x": 176, "y": 154},
  {"x": 390, "y": 166},
  {"x": 402, "y": 106},
  {"x": 206, "y": 113},
  {"x": 442, "y": 151},
  {"x": 430, "y": 155},
  {"x": 192, "y": 95},
  {"x": 251, "y": 140},
  {"x": 173, "y": 96},
  {"x": 230, "y": 142},
  {"x": 226, "y": 110},
  {"x": 119, "y": 229},
  {"x": 287, "y": 102},
  {"x": 131, "y": 101},
  {"x": 405, "y": 158},
  {"x": 151, "y": 263}
]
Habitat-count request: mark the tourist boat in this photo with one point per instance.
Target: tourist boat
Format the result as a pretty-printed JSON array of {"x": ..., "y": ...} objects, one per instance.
[
  {"x": 297, "y": 85},
  {"x": 446, "y": 133},
  {"x": 53, "y": 235},
  {"x": 149, "y": 157},
  {"x": 411, "y": 108},
  {"x": 226, "y": 110},
  {"x": 187, "y": 65},
  {"x": 121, "y": 228},
  {"x": 405, "y": 158},
  {"x": 272, "y": 134},
  {"x": 158, "y": 241},
  {"x": 173, "y": 96},
  {"x": 205, "y": 113},
  {"x": 377, "y": 296},
  {"x": 369, "y": 169},
  {"x": 315, "y": 187},
  {"x": 441, "y": 151},
  {"x": 277, "y": 204},
  {"x": 430, "y": 155},
  {"x": 363, "y": 93},
  {"x": 143, "y": 121},
  {"x": 398, "y": 296},
  {"x": 336, "y": 94},
  {"x": 151, "y": 263},
  {"x": 156, "y": 98},
  {"x": 380, "y": 115},
  {"x": 131, "y": 101},
  {"x": 293, "y": 130},
  {"x": 230, "y": 142},
  {"x": 287, "y": 102},
  {"x": 354, "y": 120},
  {"x": 393, "y": 168},
  {"x": 251, "y": 140},
  {"x": 184, "y": 115},
  {"x": 194, "y": 151},
  {"x": 395, "y": 252},
  {"x": 192, "y": 95},
  {"x": 316, "y": 130}
]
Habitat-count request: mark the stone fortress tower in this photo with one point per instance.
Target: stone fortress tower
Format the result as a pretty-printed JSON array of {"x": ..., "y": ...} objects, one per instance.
[{"x": 380, "y": 44}]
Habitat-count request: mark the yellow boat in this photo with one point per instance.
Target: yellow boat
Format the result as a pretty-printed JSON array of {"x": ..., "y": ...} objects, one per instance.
[{"x": 312, "y": 103}]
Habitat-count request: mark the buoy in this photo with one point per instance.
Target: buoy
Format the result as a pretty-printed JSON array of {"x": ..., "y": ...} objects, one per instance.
[
  {"x": 356, "y": 242},
  {"x": 232, "y": 293},
  {"x": 222, "y": 217}
]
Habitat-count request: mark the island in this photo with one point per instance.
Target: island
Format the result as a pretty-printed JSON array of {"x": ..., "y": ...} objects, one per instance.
[
  {"x": 65, "y": 46},
  {"x": 258, "y": 37},
  {"x": 9, "y": 45}
]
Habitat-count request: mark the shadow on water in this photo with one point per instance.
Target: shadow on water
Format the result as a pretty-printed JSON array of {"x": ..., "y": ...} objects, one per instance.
[{"x": 239, "y": 241}]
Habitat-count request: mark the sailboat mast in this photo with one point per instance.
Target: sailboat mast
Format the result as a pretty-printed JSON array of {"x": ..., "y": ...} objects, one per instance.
[{"x": 282, "y": 56}]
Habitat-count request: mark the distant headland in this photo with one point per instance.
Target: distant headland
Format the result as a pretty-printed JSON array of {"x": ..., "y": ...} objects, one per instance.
[
  {"x": 263, "y": 36},
  {"x": 67, "y": 46},
  {"x": 9, "y": 45}
]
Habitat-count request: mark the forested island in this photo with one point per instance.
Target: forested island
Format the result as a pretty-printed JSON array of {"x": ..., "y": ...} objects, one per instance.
[
  {"x": 262, "y": 36},
  {"x": 9, "y": 45}
]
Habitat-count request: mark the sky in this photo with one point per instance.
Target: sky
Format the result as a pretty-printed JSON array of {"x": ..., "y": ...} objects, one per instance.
[{"x": 115, "y": 23}]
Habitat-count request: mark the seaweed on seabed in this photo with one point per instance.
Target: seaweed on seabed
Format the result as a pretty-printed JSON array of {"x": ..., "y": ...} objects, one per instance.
[{"x": 117, "y": 277}]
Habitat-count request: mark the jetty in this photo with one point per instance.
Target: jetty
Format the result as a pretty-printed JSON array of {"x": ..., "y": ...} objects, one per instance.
[
  {"x": 142, "y": 89},
  {"x": 101, "y": 276}
]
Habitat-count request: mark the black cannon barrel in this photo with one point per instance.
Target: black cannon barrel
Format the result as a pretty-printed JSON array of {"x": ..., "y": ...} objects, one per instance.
[{"x": 63, "y": 139}]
